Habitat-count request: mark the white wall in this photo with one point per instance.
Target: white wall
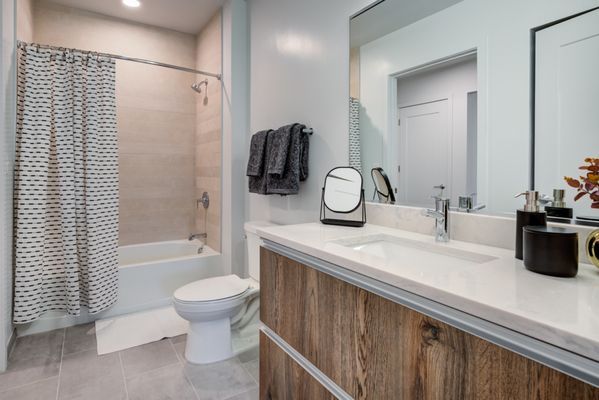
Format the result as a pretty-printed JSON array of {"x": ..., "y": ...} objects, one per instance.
[
  {"x": 300, "y": 73},
  {"x": 7, "y": 139},
  {"x": 235, "y": 128},
  {"x": 500, "y": 30}
]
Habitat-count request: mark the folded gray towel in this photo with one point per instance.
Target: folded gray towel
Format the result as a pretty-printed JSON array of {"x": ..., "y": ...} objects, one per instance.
[
  {"x": 256, "y": 169},
  {"x": 304, "y": 155},
  {"x": 278, "y": 149},
  {"x": 288, "y": 181},
  {"x": 255, "y": 165}
]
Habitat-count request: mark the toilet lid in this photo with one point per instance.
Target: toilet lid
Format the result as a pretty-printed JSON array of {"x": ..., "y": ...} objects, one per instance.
[{"x": 210, "y": 289}]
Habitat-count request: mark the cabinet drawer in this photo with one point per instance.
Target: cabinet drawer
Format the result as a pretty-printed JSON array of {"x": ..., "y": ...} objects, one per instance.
[
  {"x": 281, "y": 378},
  {"x": 374, "y": 348}
]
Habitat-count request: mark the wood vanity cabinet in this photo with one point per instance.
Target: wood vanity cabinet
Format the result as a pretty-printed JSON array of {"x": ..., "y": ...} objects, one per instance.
[{"x": 374, "y": 348}]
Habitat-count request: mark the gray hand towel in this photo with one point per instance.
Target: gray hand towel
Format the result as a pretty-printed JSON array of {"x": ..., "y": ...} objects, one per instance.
[
  {"x": 278, "y": 149},
  {"x": 257, "y": 183},
  {"x": 288, "y": 181},
  {"x": 304, "y": 155},
  {"x": 255, "y": 165}
]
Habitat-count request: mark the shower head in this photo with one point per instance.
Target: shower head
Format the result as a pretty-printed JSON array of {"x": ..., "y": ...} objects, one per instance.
[{"x": 198, "y": 85}]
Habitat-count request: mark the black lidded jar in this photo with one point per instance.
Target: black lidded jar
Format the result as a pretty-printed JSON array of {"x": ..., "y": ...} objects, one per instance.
[
  {"x": 551, "y": 251},
  {"x": 529, "y": 215}
]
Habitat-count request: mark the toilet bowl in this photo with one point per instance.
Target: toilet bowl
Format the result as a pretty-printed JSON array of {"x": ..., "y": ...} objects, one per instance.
[{"x": 210, "y": 304}]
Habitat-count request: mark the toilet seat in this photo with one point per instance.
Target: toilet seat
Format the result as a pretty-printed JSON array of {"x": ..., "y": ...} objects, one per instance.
[{"x": 217, "y": 289}]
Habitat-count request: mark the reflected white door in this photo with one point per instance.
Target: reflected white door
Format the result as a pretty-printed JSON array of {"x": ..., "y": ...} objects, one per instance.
[
  {"x": 424, "y": 152},
  {"x": 566, "y": 101}
]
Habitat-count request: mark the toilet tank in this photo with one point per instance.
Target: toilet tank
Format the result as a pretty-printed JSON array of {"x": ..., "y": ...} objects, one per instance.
[{"x": 253, "y": 243}]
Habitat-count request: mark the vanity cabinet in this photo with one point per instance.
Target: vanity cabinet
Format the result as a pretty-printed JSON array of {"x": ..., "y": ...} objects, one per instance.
[
  {"x": 283, "y": 379},
  {"x": 374, "y": 348}
]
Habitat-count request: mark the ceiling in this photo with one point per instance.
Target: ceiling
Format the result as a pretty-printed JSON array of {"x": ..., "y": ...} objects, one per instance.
[
  {"x": 391, "y": 15},
  {"x": 187, "y": 16}
]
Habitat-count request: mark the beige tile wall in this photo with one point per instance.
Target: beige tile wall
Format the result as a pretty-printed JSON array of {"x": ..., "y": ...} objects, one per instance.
[
  {"x": 208, "y": 132},
  {"x": 25, "y": 20},
  {"x": 156, "y": 112}
]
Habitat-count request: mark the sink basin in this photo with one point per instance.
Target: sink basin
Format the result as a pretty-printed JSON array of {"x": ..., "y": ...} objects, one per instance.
[{"x": 406, "y": 251}]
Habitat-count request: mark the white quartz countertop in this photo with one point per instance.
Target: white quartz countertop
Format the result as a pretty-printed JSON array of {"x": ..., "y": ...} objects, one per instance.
[{"x": 561, "y": 311}]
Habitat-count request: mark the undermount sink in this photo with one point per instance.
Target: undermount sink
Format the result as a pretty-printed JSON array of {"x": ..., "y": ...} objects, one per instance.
[{"x": 406, "y": 251}]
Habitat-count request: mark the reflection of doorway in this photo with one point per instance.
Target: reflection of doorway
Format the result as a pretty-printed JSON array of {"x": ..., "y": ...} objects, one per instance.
[
  {"x": 436, "y": 110},
  {"x": 424, "y": 156}
]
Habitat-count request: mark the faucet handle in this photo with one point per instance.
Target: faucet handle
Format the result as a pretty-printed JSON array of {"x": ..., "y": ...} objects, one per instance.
[{"x": 441, "y": 188}]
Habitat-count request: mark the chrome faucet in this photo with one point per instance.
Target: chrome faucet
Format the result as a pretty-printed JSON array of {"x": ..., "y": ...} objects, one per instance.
[
  {"x": 194, "y": 236},
  {"x": 441, "y": 215}
]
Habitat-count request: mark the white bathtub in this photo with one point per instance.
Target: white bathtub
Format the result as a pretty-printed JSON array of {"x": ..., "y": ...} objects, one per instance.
[
  {"x": 150, "y": 273},
  {"x": 148, "y": 276}
]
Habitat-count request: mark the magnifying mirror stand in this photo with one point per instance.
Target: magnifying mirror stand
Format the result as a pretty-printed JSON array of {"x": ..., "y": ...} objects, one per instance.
[{"x": 342, "y": 222}]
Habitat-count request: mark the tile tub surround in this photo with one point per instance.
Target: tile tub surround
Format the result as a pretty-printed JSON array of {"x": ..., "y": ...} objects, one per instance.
[
  {"x": 156, "y": 113},
  {"x": 488, "y": 230},
  {"x": 63, "y": 364},
  {"x": 558, "y": 311},
  {"x": 25, "y": 20}
]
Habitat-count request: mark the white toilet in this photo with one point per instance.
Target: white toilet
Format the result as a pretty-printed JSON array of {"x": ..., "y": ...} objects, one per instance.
[{"x": 209, "y": 304}]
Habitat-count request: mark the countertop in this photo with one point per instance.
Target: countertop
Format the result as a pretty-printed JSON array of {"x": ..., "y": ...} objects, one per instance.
[{"x": 561, "y": 311}]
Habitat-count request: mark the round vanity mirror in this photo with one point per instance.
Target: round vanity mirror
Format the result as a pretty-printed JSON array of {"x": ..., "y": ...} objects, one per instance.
[
  {"x": 343, "y": 190},
  {"x": 382, "y": 186}
]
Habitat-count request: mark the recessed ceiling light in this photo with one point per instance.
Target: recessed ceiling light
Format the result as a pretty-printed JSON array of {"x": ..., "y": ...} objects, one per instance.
[{"x": 132, "y": 3}]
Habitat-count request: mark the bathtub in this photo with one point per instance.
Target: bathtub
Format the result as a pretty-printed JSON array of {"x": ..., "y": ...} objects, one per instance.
[{"x": 149, "y": 274}]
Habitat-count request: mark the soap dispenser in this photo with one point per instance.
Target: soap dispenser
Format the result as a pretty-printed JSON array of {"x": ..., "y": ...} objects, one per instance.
[
  {"x": 530, "y": 215},
  {"x": 558, "y": 206}
]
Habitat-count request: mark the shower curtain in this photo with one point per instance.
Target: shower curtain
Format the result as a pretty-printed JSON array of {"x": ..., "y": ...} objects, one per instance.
[
  {"x": 66, "y": 184},
  {"x": 355, "y": 158}
]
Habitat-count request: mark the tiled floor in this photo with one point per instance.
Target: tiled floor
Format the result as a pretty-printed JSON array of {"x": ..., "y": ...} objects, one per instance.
[{"x": 63, "y": 364}]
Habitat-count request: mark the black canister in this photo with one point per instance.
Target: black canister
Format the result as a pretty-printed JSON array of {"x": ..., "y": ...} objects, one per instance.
[{"x": 551, "y": 250}]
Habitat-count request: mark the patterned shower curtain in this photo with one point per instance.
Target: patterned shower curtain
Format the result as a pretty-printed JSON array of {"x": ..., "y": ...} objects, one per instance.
[
  {"x": 355, "y": 158},
  {"x": 66, "y": 183}
]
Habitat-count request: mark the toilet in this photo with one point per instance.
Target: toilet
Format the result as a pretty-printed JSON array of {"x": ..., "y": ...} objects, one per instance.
[{"x": 210, "y": 304}]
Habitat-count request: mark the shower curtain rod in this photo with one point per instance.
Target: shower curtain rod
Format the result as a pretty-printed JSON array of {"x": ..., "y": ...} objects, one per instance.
[{"x": 125, "y": 58}]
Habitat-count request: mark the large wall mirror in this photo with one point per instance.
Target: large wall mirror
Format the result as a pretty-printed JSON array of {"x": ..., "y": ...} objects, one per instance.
[
  {"x": 566, "y": 110},
  {"x": 443, "y": 92}
]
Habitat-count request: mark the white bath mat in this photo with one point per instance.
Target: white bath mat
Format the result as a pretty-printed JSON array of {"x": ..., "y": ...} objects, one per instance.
[{"x": 135, "y": 329}]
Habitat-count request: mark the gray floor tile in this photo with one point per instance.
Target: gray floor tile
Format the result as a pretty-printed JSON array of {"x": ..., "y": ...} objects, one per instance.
[
  {"x": 42, "y": 390},
  {"x": 85, "y": 375},
  {"x": 253, "y": 367},
  {"x": 251, "y": 395},
  {"x": 249, "y": 355},
  {"x": 22, "y": 372},
  {"x": 79, "y": 338},
  {"x": 164, "y": 383},
  {"x": 48, "y": 344},
  {"x": 179, "y": 339},
  {"x": 221, "y": 380},
  {"x": 180, "y": 349},
  {"x": 33, "y": 358},
  {"x": 148, "y": 357}
]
